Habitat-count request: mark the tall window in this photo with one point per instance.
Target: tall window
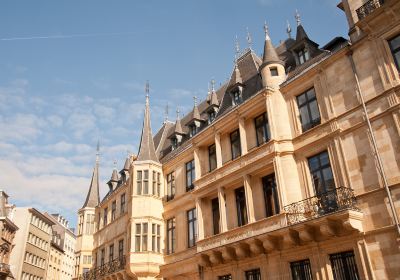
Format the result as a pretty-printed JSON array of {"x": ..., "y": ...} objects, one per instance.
[
  {"x": 215, "y": 215},
  {"x": 170, "y": 186},
  {"x": 155, "y": 238},
  {"x": 192, "y": 227},
  {"x": 308, "y": 108},
  {"x": 102, "y": 257},
  {"x": 212, "y": 157},
  {"x": 146, "y": 182},
  {"x": 98, "y": 220},
  {"x": 236, "y": 97},
  {"x": 321, "y": 173},
  {"x": 253, "y": 274},
  {"x": 211, "y": 116},
  {"x": 121, "y": 248},
  {"x": 303, "y": 55},
  {"x": 89, "y": 224},
  {"x": 80, "y": 224},
  {"x": 139, "y": 178},
  {"x": 193, "y": 130},
  {"x": 262, "y": 129},
  {"x": 122, "y": 203},
  {"x": 171, "y": 236},
  {"x": 344, "y": 266},
  {"x": 113, "y": 210},
  {"x": 105, "y": 222},
  {"x": 190, "y": 175},
  {"x": 141, "y": 237},
  {"x": 241, "y": 206},
  {"x": 301, "y": 270},
  {"x": 225, "y": 277},
  {"x": 111, "y": 253},
  {"x": 158, "y": 184},
  {"x": 395, "y": 48},
  {"x": 270, "y": 195},
  {"x": 158, "y": 238},
  {"x": 235, "y": 144},
  {"x": 154, "y": 183}
]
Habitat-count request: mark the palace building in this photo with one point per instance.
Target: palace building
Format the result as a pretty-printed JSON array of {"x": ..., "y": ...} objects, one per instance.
[{"x": 290, "y": 170}]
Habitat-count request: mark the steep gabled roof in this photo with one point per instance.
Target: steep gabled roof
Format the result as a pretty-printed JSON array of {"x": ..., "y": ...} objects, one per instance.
[{"x": 93, "y": 196}]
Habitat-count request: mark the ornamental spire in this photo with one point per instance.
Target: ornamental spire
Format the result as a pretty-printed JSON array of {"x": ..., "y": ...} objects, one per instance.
[
  {"x": 297, "y": 17},
  {"x": 270, "y": 55},
  {"x": 93, "y": 196},
  {"x": 146, "y": 148},
  {"x": 289, "y": 30},
  {"x": 249, "y": 38}
]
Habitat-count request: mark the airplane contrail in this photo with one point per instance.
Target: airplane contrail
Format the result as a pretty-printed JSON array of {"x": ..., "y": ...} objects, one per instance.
[{"x": 66, "y": 36}]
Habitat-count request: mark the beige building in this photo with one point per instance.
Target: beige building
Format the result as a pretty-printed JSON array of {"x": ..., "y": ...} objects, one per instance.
[
  {"x": 288, "y": 171},
  {"x": 29, "y": 258},
  {"x": 7, "y": 234},
  {"x": 62, "y": 253}
]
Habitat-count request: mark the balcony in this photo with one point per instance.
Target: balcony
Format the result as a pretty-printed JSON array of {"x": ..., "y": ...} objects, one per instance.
[
  {"x": 368, "y": 8},
  {"x": 105, "y": 270},
  {"x": 316, "y": 206}
]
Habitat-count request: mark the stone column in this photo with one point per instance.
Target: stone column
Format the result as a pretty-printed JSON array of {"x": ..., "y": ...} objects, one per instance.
[
  {"x": 222, "y": 209},
  {"x": 249, "y": 198},
  {"x": 197, "y": 163},
  {"x": 270, "y": 114},
  {"x": 243, "y": 138},
  {"x": 200, "y": 221},
  {"x": 218, "y": 149}
]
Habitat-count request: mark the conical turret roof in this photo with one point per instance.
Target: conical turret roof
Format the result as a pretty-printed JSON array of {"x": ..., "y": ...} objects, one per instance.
[
  {"x": 146, "y": 148},
  {"x": 270, "y": 55},
  {"x": 93, "y": 197},
  {"x": 236, "y": 77},
  {"x": 301, "y": 33}
]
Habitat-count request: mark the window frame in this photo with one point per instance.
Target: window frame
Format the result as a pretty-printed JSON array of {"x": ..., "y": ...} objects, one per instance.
[
  {"x": 171, "y": 186},
  {"x": 120, "y": 248},
  {"x": 269, "y": 183},
  {"x": 212, "y": 157},
  {"x": 113, "y": 210},
  {"x": 253, "y": 274},
  {"x": 122, "y": 203},
  {"x": 303, "y": 267},
  {"x": 236, "y": 96},
  {"x": 105, "y": 217},
  {"x": 216, "y": 216},
  {"x": 139, "y": 182},
  {"x": 345, "y": 258},
  {"x": 190, "y": 169},
  {"x": 264, "y": 126},
  {"x": 235, "y": 141},
  {"x": 394, "y": 51},
  {"x": 241, "y": 207},
  {"x": 308, "y": 104},
  {"x": 191, "y": 216},
  {"x": 111, "y": 253},
  {"x": 320, "y": 169},
  {"x": 171, "y": 227}
]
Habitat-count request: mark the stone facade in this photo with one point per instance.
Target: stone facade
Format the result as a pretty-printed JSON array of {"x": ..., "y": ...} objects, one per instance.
[{"x": 288, "y": 171}]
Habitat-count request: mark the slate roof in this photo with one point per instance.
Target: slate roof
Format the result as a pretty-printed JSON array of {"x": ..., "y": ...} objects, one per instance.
[{"x": 93, "y": 196}]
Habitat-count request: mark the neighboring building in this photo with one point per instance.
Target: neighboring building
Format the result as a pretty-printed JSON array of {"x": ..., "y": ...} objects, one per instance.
[
  {"x": 62, "y": 254},
  {"x": 29, "y": 258},
  {"x": 86, "y": 225},
  {"x": 288, "y": 171},
  {"x": 7, "y": 234}
]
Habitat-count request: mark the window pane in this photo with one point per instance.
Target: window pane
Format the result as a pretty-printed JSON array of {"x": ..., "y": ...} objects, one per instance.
[
  {"x": 314, "y": 110},
  {"x": 395, "y": 43}
]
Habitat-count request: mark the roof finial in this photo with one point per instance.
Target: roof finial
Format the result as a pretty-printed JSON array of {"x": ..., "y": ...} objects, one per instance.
[
  {"x": 98, "y": 152},
  {"x": 249, "y": 38},
  {"x": 115, "y": 164},
  {"x": 297, "y": 17},
  {"x": 289, "y": 29},
  {"x": 166, "y": 113},
  {"x": 237, "y": 47},
  {"x": 266, "y": 30},
  {"x": 147, "y": 90},
  {"x": 195, "y": 100},
  {"x": 177, "y": 113},
  {"x": 212, "y": 85}
]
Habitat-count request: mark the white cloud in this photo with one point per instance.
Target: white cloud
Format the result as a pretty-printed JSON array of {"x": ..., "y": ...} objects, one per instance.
[
  {"x": 81, "y": 124},
  {"x": 21, "y": 127}
]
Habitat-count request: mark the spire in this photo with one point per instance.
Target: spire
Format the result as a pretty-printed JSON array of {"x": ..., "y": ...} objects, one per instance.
[
  {"x": 289, "y": 30},
  {"x": 146, "y": 147},
  {"x": 93, "y": 198},
  {"x": 114, "y": 176},
  {"x": 249, "y": 38},
  {"x": 270, "y": 55},
  {"x": 166, "y": 112},
  {"x": 300, "y": 33},
  {"x": 213, "y": 98},
  {"x": 196, "y": 113},
  {"x": 237, "y": 48}
]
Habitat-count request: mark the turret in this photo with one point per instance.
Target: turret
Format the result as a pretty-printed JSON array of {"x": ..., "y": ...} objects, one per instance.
[
  {"x": 113, "y": 182},
  {"x": 272, "y": 68}
]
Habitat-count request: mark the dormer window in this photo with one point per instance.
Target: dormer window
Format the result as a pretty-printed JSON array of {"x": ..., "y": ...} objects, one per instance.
[
  {"x": 211, "y": 116},
  {"x": 193, "y": 130},
  {"x": 174, "y": 143},
  {"x": 236, "y": 97},
  {"x": 303, "y": 55}
]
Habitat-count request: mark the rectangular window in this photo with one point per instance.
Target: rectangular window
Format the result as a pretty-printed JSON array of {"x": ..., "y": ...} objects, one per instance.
[
  {"x": 113, "y": 210},
  {"x": 225, "y": 277},
  {"x": 303, "y": 55},
  {"x": 98, "y": 220},
  {"x": 153, "y": 237},
  {"x": 171, "y": 236},
  {"x": 144, "y": 237},
  {"x": 102, "y": 256},
  {"x": 158, "y": 184},
  {"x": 262, "y": 129},
  {"x": 122, "y": 203},
  {"x": 139, "y": 179},
  {"x": 270, "y": 195},
  {"x": 274, "y": 71},
  {"x": 105, "y": 222},
  {"x": 190, "y": 175},
  {"x": 241, "y": 206},
  {"x": 236, "y": 97},
  {"x": 137, "y": 237},
  {"x": 170, "y": 186},
  {"x": 344, "y": 266},
  {"x": 121, "y": 249},
  {"x": 308, "y": 108},
  {"x": 111, "y": 253},
  {"x": 211, "y": 116},
  {"x": 192, "y": 227},
  {"x": 146, "y": 182},
  {"x": 324, "y": 184},
  {"x": 158, "y": 238},
  {"x": 395, "y": 48},
  {"x": 215, "y": 215},
  {"x": 235, "y": 144},
  {"x": 154, "y": 183},
  {"x": 193, "y": 130},
  {"x": 212, "y": 157},
  {"x": 301, "y": 270},
  {"x": 253, "y": 274}
]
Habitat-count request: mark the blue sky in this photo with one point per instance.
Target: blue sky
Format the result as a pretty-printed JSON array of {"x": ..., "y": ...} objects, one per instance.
[{"x": 59, "y": 96}]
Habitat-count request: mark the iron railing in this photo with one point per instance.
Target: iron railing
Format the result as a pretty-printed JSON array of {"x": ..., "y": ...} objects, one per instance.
[
  {"x": 368, "y": 8},
  {"x": 329, "y": 202},
  {"x": 104, "y": 270}
]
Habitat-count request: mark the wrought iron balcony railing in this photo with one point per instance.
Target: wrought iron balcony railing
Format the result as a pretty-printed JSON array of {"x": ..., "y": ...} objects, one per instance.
[
  {"x": 329, "y": 202},
  {"x": 368, "y": 8},
  {"x": 104, "y": 270}
]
